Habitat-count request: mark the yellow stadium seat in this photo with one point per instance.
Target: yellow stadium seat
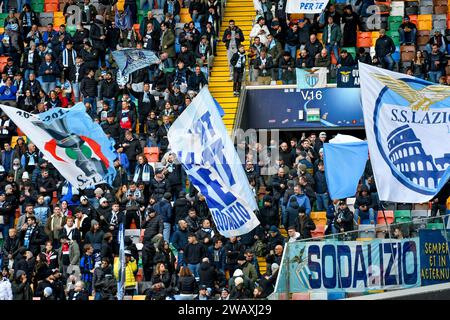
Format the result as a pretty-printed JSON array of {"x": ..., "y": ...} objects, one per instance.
[
  {"x": 425, "y": 22},
  {"x": 140, "y": 297},
  {"x": 14, "y": 140}
]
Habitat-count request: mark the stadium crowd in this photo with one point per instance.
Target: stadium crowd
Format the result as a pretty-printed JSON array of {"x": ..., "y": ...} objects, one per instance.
[{"x": 62, "y": 243}]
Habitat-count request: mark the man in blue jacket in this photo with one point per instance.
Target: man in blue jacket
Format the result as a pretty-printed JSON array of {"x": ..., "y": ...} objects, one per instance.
[
  {"x": 8, "y": 92},
  {"x": 302, "y": 199},
  {"x": 180, "y": 240},
  {"x": 49, "y": 70},
  {"x": 164, "y": 209}
]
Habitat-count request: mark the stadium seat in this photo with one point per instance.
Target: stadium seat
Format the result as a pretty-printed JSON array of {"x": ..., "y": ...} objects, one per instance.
[
  {"x": 318, "y": 232},
  {"x": 411, "y": 7},
  {"x": 364, "y": 40},
  {"x": 140, "y": 297},
  {"x": 397, "y": 8},
  {"x": 426, "y": 7},
  {"x": 425, "y": 22},
  {"x": 301, "y": 296},
  {"x": 440, "y": 21},
  {"x": 394, "y": 22},
  {"x": 366, "y": 231},
  {"x": 389, "y": 217},
  {"x": 45, "y": 18},
  {"x": 413, "y": 18},
  {"x": 402, "y": 216},
  {"x": 51, "y": 7},
  {"x": 419, "y": 214},
  {"x": 423, "y": 36},
  {"x": 395, "y": 36},
  {"x": 375, "y": 36},
  {"x": 319, "y": 218},
  {"x": 407, "y": 53},
  {"x": 421, "y": 206},
  {"x": 435, "y": 226}
]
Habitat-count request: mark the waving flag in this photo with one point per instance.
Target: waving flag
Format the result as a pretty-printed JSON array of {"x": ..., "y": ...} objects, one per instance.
[
  {"x": 71, "y": 141},
  {"x": 122, "y": 263},
  {"x": 345, "y": 158},
  {"x": 201, "y": 142},
  {"x": 130, "y": 60},
  {"x": 407, "y": 126}
]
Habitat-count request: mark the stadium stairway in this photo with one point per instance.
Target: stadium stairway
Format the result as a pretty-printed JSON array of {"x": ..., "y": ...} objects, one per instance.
[{"x": 242, "y": 11}]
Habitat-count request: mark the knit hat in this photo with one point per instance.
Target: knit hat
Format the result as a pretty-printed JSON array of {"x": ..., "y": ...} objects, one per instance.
[
  {"x": 100, "y": 18},
  {"x": 94, "y": 222},
  {"x": 238, "y": 281},
  {"x": 302, "y": 167},
  {"x": 25, "y": 175},
  {"x": 83, "y": 198},
  {"x": 103, "y": 200},
  {"x": 238, "y": 273},
  {"x": 267, "y": 198},
  {"x": 98, "y": 191},
  {"x": 19, "y": 273},
  {"x": 273, "y": 229}
]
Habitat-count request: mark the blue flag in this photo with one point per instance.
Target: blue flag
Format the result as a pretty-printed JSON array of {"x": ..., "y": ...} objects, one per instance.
[
  {"x": 344, "y": 166},
  {"x": 121, "y": 273},
  {"x": 130, "y": 60},
  {"x": 219, "y": 108}
]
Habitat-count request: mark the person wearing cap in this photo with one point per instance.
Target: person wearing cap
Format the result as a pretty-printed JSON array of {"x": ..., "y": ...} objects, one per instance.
[
  {"x": 343, "y": 220},
  {"x": 224, "y": 294},
  {"x": 130, "y": 271},
  {"x": 319, "y": 142},
  {"x": 203, "y": 293},
  {"x": 407, "y": 31}
]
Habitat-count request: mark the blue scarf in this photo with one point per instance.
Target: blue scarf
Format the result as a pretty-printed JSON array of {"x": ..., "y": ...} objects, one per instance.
[
  {"x": 145, "y": 173},
  {"x": 65, "y": 58},
  {"x": 26, "y": 240}
]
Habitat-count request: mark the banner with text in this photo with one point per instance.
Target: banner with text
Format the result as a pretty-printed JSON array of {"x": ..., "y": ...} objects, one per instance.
[
  {"x": 347, "y": 77},
  {"x": 434, "y": 257},
  {"x": 306, "y": 6},
  {"x": 201, "y": 142},
  {"x": 350, "y": 266}
]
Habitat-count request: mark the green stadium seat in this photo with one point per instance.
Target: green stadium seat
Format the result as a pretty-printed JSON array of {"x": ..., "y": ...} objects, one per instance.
[
  {"x": 435, "y": 226},
  {"x": 402, "y": 216}
]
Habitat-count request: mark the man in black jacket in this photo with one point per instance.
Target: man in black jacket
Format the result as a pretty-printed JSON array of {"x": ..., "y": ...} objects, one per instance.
[
  {"x": 76, "y": 73},
  {"x": 88, "y": 88},
  {"x": 147, "y": 103},
  {"x": 232, "y": 37},
  {"x": 162, "y": 134},
  {"x": 131, "y": 147},
  {"x": 32, "y": 236},
  {"x": 153, "y": 225},
  {"x": 109, "y": 90},
  {"x": 384, "y": 48},
  {"x": 111, "y": 127},
  {"x": 194, "y": 252}
]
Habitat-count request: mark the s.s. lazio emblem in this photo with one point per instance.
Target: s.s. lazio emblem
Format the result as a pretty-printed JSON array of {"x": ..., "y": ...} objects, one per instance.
[
  {"x": 311, "y": 78},
  {"x": 405, "y": 112}
]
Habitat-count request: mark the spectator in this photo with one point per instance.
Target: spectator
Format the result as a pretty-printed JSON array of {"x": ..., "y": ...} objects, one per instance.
[
  {"x": 437, "y": 38},
  {"x": 323, "y": 59},
  {"x": 304, "y": 224},
  {"x": 332, "y": 36},
  {"x": 48, "y": 70},
  {"x": 407, "y": 32},
  {"x": 345, "y": 59},
  {"x": 233, "y": 37},
  {"x": 364, "y": 207},
  {"x": 130, "y": 270},
  {"x": 384, "y": 48},
  {"x": 435, "y": 64},
  {"x": 286, "y": 68},
  {"x": 343, "y": 221}
]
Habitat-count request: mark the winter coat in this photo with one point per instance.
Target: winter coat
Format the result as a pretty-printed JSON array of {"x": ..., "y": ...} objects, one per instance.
[
  {"x": 335, "y": 34},
  {"x": 207, "y": 275},
  {"x": 181, "y": 207},
  {"x": 269, "y": 216},
  {"x": 304, "y": 225},
  {"x": 21, "y": 291},
  {"x": 384, "y": 46},
  {"x": 194, "y": 253},
  {"x": 302, "y": 200},
  {"x": 346, "y": 217},
  {"x": 153, "y": 227},
  {"x": 164, "y": 209},
  {"x": 291, "y": 213},
  {"x": 187, "y": 285},
  {"x": 130, "y": 270},
  {"x": 179, "y": 240},
  {"x": 5, "y": 290}
]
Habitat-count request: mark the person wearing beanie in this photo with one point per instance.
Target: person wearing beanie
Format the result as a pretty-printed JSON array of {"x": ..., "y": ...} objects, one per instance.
[
  {"x": 364, "y": 212},
  {"x": 291, "y": 213},
  {"x": 269, "y": 214},
  {"x": 240, "y": 291},
  {"x": 181, "y": 207},
  {"x": 304, "y": 224},
  {"x": 275, "y": 238},
  {"x": 20, "y": 287}
]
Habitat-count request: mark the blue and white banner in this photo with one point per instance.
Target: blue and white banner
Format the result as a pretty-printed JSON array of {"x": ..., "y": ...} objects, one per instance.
[
  {"x": 130, "y": 60},
  {"x": 407, "y": 122},
  {"x": 306, "y": 6},
  {"x": 122, "y": 264},
  {"x": 311, "y": 78},
  {"x": 71, "y": 141},
  {"x": 345, "y": 158},
  {"x": 201, "y": 142},
  {"x": 350, "y": 266}
]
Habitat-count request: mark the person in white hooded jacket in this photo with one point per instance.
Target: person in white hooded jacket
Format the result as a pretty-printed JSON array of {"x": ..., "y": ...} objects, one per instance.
[{"x": 5, "y": 286}]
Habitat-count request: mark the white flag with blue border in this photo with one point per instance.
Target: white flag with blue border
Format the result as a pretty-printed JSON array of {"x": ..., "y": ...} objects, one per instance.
[
  {"x": 201, "y": 142},
  {"x": 407, "y": 122}
]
